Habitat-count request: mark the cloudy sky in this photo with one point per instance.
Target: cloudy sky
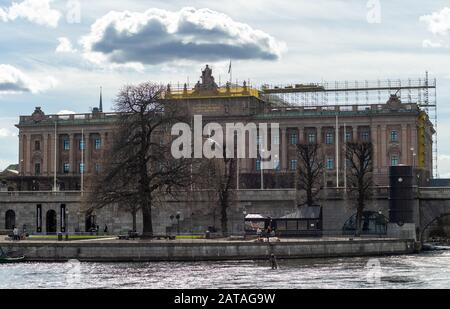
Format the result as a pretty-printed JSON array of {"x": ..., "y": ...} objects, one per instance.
[{"x": 57, "y": 54}]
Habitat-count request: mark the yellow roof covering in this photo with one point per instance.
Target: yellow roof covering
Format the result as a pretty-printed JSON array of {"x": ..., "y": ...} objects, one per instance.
[{"x": 221, "y": 92}]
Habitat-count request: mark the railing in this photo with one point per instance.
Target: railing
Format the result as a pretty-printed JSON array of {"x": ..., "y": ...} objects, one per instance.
[
  {"x": 39, "y": 193},
  {"x": 345, "y": 109}
]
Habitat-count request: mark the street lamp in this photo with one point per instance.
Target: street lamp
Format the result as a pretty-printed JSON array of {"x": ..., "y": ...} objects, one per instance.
[
  {"x": 414, "y": 157},
  {"x": 244, "y": 213},
  {"x": 261, "y": 168},
  {"x": 178, "y": 216}
]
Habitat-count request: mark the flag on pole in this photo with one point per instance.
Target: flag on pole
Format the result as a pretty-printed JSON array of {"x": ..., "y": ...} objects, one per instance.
[{"x": 229, "y": 68}]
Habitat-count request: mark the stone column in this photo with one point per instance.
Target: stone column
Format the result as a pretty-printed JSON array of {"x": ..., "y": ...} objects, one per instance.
[
  {"x": 383, "y": 142},
  {"x": 355, "y": 134},
  {"x": 87, "y": 152},
  {"x": 301, "y": 135},
  {"x": 374, "y": 140},
  {"x": 319, "y": 135},
  {"x": 72, "y": 149},
  {"x": 404, "y": 141},
  {"x": 45, "y": 155},
  {"x": 21, "y": 156},
  {"x": 414, "y": 142},
  {"x": 28, "y": 152},
  {"x": 284, "y": 149}
]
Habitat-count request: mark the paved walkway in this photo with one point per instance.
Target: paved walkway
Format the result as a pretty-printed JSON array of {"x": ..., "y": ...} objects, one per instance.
[{"x": 4, "y": 241}]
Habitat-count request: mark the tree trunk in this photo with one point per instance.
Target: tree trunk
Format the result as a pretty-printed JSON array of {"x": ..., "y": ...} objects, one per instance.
[
  {"x": 134, "y": 214},
  {"x": 147, "y": 221},
  {"x": 224, "y": 216}
]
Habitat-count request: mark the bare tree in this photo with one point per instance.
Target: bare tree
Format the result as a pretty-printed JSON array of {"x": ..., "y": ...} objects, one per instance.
[
  {"x": 360, "y": 159},
  {"x": 141, "y": 167},
  {"x": 309, "y": 171},
  {"x": 219, "y": 177}
]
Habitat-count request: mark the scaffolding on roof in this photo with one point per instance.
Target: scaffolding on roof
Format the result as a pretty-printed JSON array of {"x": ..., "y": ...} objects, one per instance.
[{"x": 422, "y": 91}]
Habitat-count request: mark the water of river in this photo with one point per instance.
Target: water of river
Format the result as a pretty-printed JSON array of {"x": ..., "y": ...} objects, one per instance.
[{"x": 428, "y": 270}]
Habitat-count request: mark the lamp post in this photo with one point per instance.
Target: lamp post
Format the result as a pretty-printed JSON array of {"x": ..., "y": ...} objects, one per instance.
[
  {"x": 261, "y": 168},
  {"x": 244, "y": 213},
  {"x": 414, "y": 159},
  {"x": 178, "y": 216}
]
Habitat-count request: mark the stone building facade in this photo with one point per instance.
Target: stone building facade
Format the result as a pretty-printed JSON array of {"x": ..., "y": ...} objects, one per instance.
[{"x": 64, "y": 150}]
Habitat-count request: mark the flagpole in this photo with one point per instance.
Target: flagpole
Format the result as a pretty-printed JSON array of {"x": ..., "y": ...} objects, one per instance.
[
  {"x": 345, "y": 161},
  {"x": 337, "y": 151},
  {"x": 230, "y": 71},
  {"x": 82, "y": 161},
  {"x": 55, "y": 157}
]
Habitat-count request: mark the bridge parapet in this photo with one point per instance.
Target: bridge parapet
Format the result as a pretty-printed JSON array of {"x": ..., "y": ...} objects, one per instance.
[{"x": 434, "y": 193}]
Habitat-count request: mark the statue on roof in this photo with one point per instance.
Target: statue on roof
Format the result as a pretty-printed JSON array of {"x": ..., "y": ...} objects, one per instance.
[{"x": 208, "y": 82}]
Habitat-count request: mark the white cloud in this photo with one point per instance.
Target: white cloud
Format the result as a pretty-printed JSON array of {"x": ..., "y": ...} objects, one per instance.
[
  {"x": 438, "y": 22},
  {"x": 4, "y": 133},
  {"x": 65, "y": 46},
  {"x": 431, "y": 44},
  {"x": 159, "y": 36},
  {"x": 35, "y": 11},
  {"x": 66, "y": 112},
  {"x": 12, "y": 80},
  {"x": 444, "y": 166}
]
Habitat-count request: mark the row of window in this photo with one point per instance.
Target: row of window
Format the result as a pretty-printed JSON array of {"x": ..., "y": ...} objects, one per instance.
[
  {"x": 330, "y": 165},
  {"x": 66, "y": 168},
  {"x": 82, "y": 144},
  {"x": 81, "y": 168},
  {"x": 312, "y": 138},
  {"x": 66, "y": 144}
]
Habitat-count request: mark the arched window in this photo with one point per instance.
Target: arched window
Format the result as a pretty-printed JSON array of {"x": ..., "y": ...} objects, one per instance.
[{"x": 10, "y": 220}]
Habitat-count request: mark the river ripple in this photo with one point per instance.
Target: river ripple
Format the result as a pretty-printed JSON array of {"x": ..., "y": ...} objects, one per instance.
[{"x": 428, "y": 270}]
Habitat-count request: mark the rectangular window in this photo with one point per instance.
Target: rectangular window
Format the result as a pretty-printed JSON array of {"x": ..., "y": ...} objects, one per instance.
[
  {"x": 81, "y": 168},
  {"x": 63, "y": 216},
  {"x": 39, "y": 218},
  {"x": 98, "y": 144},
  {"x": 37, "y": 169},
  {"x": 277, "y": 165},
  {"x": 66, "y": 168},
  {"x": 329, "y": 138},
  {"x": 294, "y": 165},
  {"x": 294, "y": 138},
  {"x": 258, "y": 165},
  {"x": 311, "y": 138},
  {"x": 98, "y": 168},
  {"x": 348, "y": 137},
  {"x": 82, "y": 145},
  {"x": 394, "y": 161},
  {"x": 330, "y": 164},
  {"x": 394, "y": 136},
  {"x": 259, "y": 140},
  {"x": 66, "y": 143},
  {"x": 276, "y": 140},
  {"x": 365, "y": 136},
  {"x": 37, "y": 145}
]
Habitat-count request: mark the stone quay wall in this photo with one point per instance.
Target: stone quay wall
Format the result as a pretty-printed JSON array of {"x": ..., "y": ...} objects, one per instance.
[{"x": 130, "y": 251}]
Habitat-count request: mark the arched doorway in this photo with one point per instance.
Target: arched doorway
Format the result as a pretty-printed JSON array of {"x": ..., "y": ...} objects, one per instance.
[
  {"x": 51, "y": 222},
  {"x": 10, "y": 220},
  {"x": 438, "y": 228}
]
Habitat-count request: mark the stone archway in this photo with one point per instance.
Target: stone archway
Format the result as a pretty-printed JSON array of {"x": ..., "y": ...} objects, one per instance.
[
  {"x": 10, "y": 220},
  {"x": 427, "y": 226},
  {"x": 51, "y": 222}
]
